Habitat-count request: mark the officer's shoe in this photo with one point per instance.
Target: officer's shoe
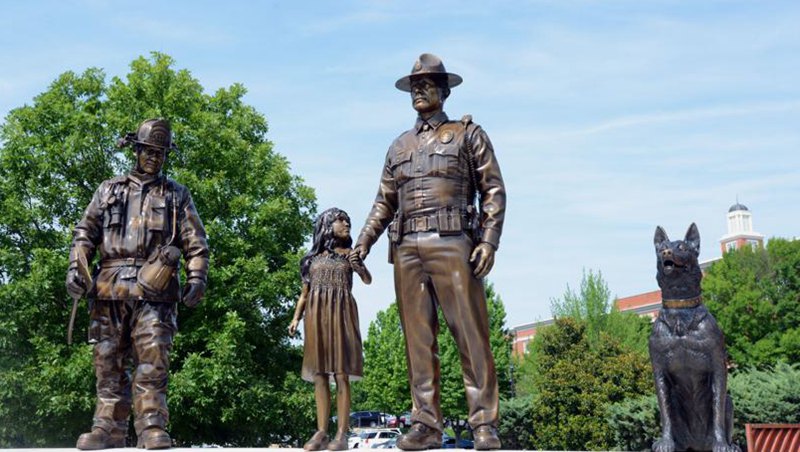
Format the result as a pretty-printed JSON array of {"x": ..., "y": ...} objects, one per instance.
[
  {"x": 154, "y": 438},
  {"x": 100, "y": 439},
  {"x": 420, "y": 437},
  {"x": 486, "y": 438}
]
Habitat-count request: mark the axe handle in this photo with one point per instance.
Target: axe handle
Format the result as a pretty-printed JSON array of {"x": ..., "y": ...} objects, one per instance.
[
  {"x": 83, "y": 268},
  {"x": 72, "y": 319}
]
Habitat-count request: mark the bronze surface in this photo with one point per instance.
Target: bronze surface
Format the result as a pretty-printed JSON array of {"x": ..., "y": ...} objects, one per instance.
[
  {"x": 131, "y": 219},
  {"x": 442, "y": 244}
]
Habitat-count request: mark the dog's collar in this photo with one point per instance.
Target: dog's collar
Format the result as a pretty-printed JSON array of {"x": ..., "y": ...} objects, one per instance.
[{"x": 682, "y": 303}]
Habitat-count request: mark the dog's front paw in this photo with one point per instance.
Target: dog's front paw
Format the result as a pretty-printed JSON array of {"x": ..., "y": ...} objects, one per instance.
[
  {"x": 665, "y": 445},
  {"x": 722, "y": 446}
]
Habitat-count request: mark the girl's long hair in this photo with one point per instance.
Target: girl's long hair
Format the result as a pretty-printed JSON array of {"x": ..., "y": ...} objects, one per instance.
[{"x": 324, "y": 239}]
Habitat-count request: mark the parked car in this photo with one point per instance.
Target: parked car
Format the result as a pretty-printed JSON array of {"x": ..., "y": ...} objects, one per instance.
[
  {"x": 365, "y": 419},
  {"x": 371, "y": 437},
  {"x": 390, "y": 420},
  {"x": 390, "y": 444},
  {"x": 448, "y": 442},
  {"x": 404, "y": 419}
]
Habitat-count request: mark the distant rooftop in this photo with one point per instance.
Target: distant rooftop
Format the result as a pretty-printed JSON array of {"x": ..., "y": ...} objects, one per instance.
[{"x": 738, "y": 206}]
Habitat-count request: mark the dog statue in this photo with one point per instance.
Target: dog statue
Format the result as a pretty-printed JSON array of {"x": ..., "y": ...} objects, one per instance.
[{"x": 687, "y": 350}]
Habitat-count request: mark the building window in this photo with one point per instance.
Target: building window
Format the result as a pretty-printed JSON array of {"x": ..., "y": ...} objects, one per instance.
[
  {"x": 755, "y": 244},
  {"x": 730, "y": 246}
]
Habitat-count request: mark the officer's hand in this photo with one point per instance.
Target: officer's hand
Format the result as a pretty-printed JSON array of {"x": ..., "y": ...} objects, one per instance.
[
  {"x": 358, "y": 266},
  {"x": 76, "y": 286},
  {"x": 482, "y": 259},
  {"x": 193, "y": 292},
  {"x": 361, "y": 251}
]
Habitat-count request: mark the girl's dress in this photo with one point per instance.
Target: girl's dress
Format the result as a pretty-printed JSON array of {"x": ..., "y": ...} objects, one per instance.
[{"x": 332, "y": 342}]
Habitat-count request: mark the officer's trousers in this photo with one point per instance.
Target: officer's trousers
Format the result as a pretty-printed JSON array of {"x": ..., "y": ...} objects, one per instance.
[
  {"x": 428, "y": 270},
  {"x": 138, "y": 333}
]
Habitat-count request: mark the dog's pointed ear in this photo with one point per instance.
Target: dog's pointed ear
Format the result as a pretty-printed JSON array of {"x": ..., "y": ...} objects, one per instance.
[
  {"x": 693, "y": 237},
  {"x": 660, "y": 237}
]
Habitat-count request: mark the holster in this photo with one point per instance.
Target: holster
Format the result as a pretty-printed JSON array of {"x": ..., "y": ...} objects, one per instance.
[
  {"x": 474, "y": 224},
  {"x": 395, "y": 233},
  {"x": 395, "y": 229}
]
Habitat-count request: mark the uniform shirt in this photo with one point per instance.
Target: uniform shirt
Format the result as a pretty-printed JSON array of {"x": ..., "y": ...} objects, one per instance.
[
  {"x": 427, "y": 169},
  {"x": 129, "y": 218}
]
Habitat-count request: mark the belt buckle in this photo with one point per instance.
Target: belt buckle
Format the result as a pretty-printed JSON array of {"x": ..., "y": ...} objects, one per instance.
[{"x": 421, "y": 224}]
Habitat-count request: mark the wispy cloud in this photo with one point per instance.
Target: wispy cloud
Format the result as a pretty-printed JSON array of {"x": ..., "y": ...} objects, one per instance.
[{"x": 689, "y": 115}]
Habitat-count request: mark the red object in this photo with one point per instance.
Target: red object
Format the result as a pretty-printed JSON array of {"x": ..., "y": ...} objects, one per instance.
[{"x": 773, "y": 437}]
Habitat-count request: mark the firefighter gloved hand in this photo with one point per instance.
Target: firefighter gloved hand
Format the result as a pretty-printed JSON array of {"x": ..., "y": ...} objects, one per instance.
[
  {"x": 193, "y": 292},
  {"x": 76, "y": 286}
]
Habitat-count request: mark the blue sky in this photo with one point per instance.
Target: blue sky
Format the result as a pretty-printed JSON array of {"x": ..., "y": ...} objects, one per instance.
[{"x": 608, "y": 118}]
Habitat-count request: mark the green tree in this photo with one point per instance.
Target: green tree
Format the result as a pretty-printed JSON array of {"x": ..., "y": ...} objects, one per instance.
[
  {"x": 754, "y": 293},
  {"x": 232, "y": 355},
  {"x": 385, "y": 383},
  {"x": 576, "y": 382},
  {"x": 594, "y": 305},
  {"x": 515, "y": 429},
  {"x": 769, "y": 396}
]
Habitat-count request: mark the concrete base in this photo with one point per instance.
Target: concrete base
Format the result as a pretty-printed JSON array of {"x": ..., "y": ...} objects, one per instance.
[{"x": 225, "y": 449}]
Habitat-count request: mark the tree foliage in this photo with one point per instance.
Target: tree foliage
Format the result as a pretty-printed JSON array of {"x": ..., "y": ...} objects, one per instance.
[
  {"x": 594, "y": 305},
  {"x": 755, "y": 297},
  {"x": 590, "y": 357},
  {"x": 385, "y": 384},
  {"x": 635, "y": 422},
  {"x": 594, "y": 308},
  {"x": 515, "y": 429},
  {"x": 231, "y": 356},
  {"x": 575, "y": 382},
  {"x": 769, "y": 396}
]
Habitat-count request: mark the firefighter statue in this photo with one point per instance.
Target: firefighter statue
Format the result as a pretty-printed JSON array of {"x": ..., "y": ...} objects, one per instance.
[{"x": 140, "y": 223}]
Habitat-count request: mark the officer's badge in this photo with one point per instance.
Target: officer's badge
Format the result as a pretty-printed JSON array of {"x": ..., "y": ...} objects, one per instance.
[
  {"x": 417, "y": 66},
  {"x": 446, "y": 136}
]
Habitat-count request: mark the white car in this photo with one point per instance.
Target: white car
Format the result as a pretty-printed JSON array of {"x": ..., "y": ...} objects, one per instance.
[{"x": 371, "y": 437}]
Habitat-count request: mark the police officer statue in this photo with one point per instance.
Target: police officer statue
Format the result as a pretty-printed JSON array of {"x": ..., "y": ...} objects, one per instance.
[
  {"x": 442, "y": 245},
  {"x": 140, "y": 223}
]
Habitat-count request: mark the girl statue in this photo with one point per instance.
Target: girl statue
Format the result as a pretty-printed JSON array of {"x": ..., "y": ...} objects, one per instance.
[{"x": 332, "y": 344}]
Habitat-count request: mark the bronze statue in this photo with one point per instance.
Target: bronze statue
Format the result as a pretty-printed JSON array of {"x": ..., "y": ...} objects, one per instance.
[
  {"x": 442, "y": 245},
  {"x": 332, "y": 345},
  {"x": 140, "y": 223},
  {"x": 687, "y": 350}
]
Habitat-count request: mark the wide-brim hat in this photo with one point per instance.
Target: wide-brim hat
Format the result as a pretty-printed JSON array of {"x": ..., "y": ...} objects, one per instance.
[{"x": 428, "y": 65}]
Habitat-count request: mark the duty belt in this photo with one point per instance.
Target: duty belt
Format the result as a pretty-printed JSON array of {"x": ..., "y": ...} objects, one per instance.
[
  {"x": 127, "y": 262},
  {"x": 431, "y": 223}
]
